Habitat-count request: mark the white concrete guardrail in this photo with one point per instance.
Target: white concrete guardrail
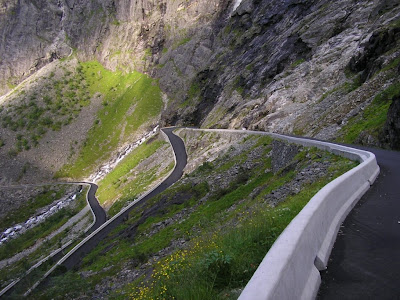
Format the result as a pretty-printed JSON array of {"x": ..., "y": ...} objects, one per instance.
[{"x": 290, "y": 270}]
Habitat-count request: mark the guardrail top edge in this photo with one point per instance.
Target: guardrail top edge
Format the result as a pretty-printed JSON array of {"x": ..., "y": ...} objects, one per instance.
[{"x": 363, "y": 154}]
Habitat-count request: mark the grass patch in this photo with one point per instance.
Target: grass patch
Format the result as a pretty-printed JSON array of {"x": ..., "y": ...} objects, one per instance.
[
  {"x": 297, "y": 63},
  {"x": 328, "y": 93},
  {"x": 194, "y": 91},
  {"x": 352, "y": 85},
  {"x": 135, "y": 188},
  {"x": 395, "y": 63},
  {"x": 184, "y": 41},
  {"x": 132, "y": 100},
  {"x": 372, "y": 119},
  {"x": 221, "y": 261},
  {"x": 124, "y": 184},
  {"x": 181, "y": 42},
  {"x": 116, "y": 182}
]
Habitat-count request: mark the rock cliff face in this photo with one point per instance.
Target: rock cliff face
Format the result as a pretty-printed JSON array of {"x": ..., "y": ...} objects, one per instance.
[
  {"x": 391, "y": 131},
  {"x": 31, "y": 36},
  {"x": 311, "y": 68},
  {"x": 303, "y": 67},
  {"x": 44, "y": 43},
  {"x": 126, "y": 34}
]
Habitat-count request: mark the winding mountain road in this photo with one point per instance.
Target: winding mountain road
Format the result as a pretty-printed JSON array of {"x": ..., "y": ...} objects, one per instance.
[
  {"x": 365, "y": 260},
  {"x": 101, "y": 227},
  {"x": 99, "y": 216},
  {"x": 73, "y": 257}
]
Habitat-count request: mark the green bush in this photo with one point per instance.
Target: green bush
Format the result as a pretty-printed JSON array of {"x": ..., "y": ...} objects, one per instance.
[
  {"x": 217, "y": 266},
  {"x": 206, "y": 166}
]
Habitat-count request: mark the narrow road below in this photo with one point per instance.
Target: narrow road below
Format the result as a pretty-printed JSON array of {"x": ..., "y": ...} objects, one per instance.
[
  {"x": 98, "y": 211},
  {"x": 365, "y": 260},
  {"x": 181, "y": 160},
  {"x": 99, "y": 219}
]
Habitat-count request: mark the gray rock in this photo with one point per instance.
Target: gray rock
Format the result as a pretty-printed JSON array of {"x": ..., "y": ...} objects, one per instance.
[
  {"x": 282, "y": 154},
  {"x": 391, "y": 132}
]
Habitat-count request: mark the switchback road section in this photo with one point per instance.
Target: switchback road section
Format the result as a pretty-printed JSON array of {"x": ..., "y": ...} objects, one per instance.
[{"x": 72, "y": 258}]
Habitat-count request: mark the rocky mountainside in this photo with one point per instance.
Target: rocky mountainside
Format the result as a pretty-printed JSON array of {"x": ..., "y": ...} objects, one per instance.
[
  {"x": 302, "y": 67},
  {"x": 120, "y": 34},
  {"x": 83, "y": 82},
  {"x": 326, "y": 69}
]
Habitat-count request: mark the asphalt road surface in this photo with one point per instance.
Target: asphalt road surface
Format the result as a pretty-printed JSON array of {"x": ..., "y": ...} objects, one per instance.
[
  {"x": 181, "y": 160},
  {"x": 97, "y": 210},
  {"x": 181, "y": 157},
  {"x": 365, "y": 260}
]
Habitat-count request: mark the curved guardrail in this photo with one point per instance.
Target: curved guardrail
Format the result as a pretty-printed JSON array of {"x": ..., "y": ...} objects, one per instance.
[{"x": 290, "y": 270}]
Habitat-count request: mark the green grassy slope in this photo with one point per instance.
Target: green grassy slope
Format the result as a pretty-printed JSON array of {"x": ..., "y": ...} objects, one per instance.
[
  {"x": 122, "y": 184},
  {"x": 226, "y": 231},
  {"x": 129, "y": 101}
]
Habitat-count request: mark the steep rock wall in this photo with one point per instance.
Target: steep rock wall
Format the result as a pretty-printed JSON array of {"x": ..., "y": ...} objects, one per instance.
[
  {"x": 283, "y": 66},
  {"x": 123, "y": 34},
  {"x": 31, "y": 36},
  {"x": 303, "y": 67}
]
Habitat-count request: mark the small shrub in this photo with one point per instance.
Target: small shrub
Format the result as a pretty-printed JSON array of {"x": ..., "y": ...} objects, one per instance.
[
  {"x": 25, "y": 168},
  {"x": 206, "y": 166},
  {"x": 297, "y": 62},
  {"x": 218, "y": 265},
  {"x": 35, "y": 140},
  {"x": 47, "y": 99},
  {"x": 13, "y": 152},
  {"x": 47, "y": 121}
]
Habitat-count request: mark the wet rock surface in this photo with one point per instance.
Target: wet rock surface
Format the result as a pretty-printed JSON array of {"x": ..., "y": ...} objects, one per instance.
[
  {"x": 367, "y": 61},
  {"x": 391, "y": 131}
]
